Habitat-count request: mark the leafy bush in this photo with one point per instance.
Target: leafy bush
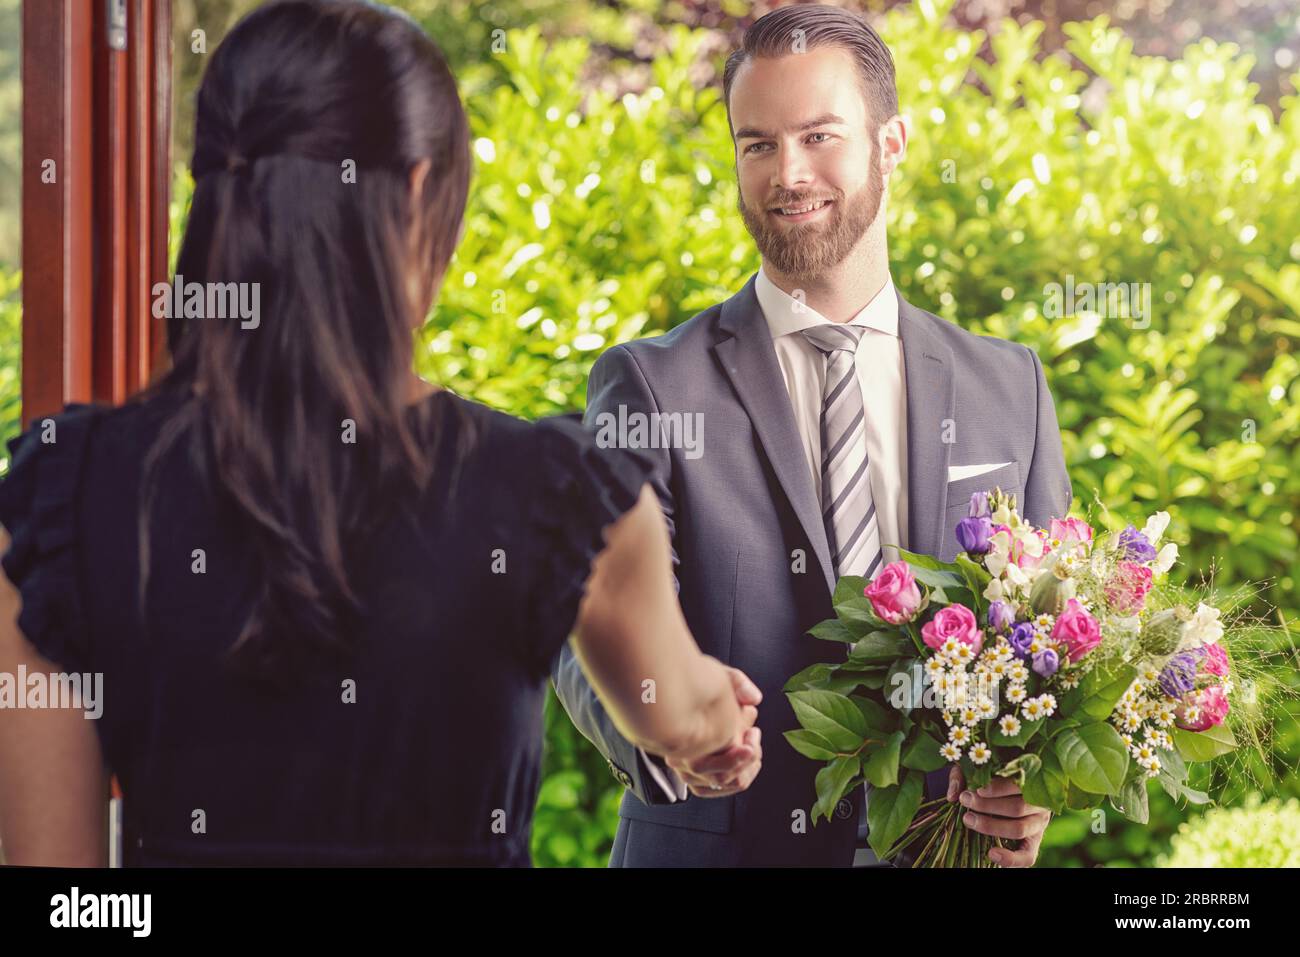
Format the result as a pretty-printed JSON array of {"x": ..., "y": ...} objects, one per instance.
[{"x": 1255, "y": 834}]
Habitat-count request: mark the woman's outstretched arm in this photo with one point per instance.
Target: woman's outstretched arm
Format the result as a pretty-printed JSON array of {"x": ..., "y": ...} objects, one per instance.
[{"x": 631, "y": 639}]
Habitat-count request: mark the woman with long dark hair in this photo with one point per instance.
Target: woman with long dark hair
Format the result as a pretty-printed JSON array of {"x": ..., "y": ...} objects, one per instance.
[{"x": 324, "y": 597}]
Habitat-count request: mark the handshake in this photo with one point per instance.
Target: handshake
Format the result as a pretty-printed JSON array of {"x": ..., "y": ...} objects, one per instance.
[{"x": 733, "y": 768}]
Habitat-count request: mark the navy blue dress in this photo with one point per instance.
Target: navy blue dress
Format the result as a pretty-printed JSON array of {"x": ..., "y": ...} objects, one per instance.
[{"x": 434, "y": 756}]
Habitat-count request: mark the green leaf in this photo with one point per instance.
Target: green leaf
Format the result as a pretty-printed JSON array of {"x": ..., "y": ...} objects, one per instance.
[
  {"x": 938, "y": 578},
  {"x": 849, "y": 588},
  {"x": 831, "y": 783},
  {"x": 833, "y": 630},
  {"x": 976, "y": 575},
  {"x": 892, "y": 809},
  {"x": 880, "y": 720},
  {"x": 833, "y": 716},
  {"x": 813, "y": 676},
  {"x": 1018, "y": 768},
  {"x": 845, "y": 680},
  {"x": 922, "y": 753},
  {"x": 1101, "y": 691},
  {"x": 811, "y": 745},
  {"x": 1132, "y": 799},
  {"x": 1077, "y": 799},
  {"x": 1046, "y": 786},
  {"x": 881, "y": 646},
  {"x": 918, "y": 560},
  {"x": 1203, "y": 745},
  {"x": 880, "y": 763},
  {"x": 1093, "y": 757}
]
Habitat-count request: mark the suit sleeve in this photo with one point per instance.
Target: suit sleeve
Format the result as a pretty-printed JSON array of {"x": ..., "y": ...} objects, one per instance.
[
  {"x": 616, "y": 380},
  {"x": 1048, "y": 491}
]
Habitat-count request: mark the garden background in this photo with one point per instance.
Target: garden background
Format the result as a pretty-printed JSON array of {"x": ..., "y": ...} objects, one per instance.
[{"x": 1148, "y": 142}]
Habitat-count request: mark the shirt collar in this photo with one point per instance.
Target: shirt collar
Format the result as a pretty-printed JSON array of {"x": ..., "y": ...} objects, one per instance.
[{"x": 786, "y": 315}]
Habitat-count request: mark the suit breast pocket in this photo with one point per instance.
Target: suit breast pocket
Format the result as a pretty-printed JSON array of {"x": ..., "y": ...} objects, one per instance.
[{"x": 1007, "y": 478}]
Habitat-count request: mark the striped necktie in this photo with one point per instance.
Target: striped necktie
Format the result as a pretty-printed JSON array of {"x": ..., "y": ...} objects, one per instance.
[{"x": 852, "y": 529}]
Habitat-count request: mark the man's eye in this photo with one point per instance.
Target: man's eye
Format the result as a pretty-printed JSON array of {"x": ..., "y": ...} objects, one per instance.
[
  {"x": 819, "y": 134},
  {"x": 753, "y": 146}
]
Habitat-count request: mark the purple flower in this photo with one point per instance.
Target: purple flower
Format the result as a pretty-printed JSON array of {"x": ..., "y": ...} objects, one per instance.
[
  {"x": 1134, "y": 545},
  {"x": 1046, "y": 662},
  {"x": 1021, "y": 637},
  {"x": 1179, "y": 675},
  {"x": 973, "y": 534},
  {"x": 979, "y": 505},
  {"x": 1000, "y": 615}
]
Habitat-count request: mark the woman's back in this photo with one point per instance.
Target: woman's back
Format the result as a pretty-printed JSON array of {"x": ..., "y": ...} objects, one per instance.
[{"x": 423, "y": 746}]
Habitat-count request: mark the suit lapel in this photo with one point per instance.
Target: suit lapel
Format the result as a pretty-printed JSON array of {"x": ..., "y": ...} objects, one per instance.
[
  {"x": 748, "y": 359},
  {"x": 928, "y": 370}
]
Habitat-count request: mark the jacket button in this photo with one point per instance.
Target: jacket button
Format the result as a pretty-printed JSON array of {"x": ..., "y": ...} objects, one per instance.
[{"x": 843, "y": 809}]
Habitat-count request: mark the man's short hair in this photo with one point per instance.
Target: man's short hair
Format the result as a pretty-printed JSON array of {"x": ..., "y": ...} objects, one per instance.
[{"x": 807, "y": 27}]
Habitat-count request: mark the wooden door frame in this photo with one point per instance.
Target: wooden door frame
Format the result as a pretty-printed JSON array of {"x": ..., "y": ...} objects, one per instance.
[{"x": 95, "y": 233}]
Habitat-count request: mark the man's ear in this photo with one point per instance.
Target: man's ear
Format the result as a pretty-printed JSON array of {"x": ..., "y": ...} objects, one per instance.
[{"x": 892, "y": 140}]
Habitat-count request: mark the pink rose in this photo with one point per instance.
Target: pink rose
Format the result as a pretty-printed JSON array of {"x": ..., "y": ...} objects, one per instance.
[
  {"x": 953, "y": 621},
  {"x": 1071, "y": 530},
  {"x": 1077, "y": 629},
  {"x": 1216, "y": 659},
  {"x": 1213, "y": 705},
  {"x": 1127, "y": 589},
  {"x": 894, "y": 594}
]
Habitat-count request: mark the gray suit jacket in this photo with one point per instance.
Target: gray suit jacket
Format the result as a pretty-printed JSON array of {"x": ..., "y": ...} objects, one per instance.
[{"x": 741, "y": 512}]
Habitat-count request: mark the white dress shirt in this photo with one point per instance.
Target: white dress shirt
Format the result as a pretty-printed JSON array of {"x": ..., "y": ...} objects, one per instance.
[{"x": 879, "y": 361}]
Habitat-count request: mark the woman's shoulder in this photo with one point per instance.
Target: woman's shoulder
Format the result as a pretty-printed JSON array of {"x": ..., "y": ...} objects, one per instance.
[{"x": 38, "y": 496}]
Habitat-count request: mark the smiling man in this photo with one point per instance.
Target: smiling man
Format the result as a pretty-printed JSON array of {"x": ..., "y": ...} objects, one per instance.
[{"x": 844, "y": 422}]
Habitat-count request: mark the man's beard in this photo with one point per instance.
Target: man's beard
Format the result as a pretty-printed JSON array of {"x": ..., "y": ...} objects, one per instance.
[{"x": 809, "y": 250}]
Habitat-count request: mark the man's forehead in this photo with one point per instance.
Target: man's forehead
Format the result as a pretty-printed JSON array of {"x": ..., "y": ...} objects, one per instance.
[{"x": 782, "y": 94}]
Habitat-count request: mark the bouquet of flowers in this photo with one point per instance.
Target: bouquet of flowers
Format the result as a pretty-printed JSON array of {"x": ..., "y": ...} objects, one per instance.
[{"x": 1041, "y": 655}]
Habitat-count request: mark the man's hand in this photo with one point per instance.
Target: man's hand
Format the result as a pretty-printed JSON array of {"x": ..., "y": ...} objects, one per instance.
[
  {"x": 733, "y": 768},
  {"x": 999, "y": 810}
]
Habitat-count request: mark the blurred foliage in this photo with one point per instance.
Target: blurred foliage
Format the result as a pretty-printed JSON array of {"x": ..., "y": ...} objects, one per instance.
[
  {"x": 11, "y": 347},
  {"x": 601, "y": 213},
  {"x": 1256, "y": 834}
]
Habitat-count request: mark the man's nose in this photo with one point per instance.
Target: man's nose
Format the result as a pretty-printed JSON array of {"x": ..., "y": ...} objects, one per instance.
[{"x": 792, "y": 170}]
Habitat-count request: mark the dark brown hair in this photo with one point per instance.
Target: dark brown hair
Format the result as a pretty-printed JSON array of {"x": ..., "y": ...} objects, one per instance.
[
  {"x": 815, "y": 25},
  {"x": 298, "y": 95}
]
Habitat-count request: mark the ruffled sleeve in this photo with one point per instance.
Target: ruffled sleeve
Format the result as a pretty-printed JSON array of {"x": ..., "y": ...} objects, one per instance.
[
  {"x": 579, "y": 490},
  {"x": 38, "y": 509}
]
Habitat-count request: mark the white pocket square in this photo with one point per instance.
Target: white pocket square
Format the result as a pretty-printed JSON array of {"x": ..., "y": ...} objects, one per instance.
[{"x": 956, "y": 472}]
